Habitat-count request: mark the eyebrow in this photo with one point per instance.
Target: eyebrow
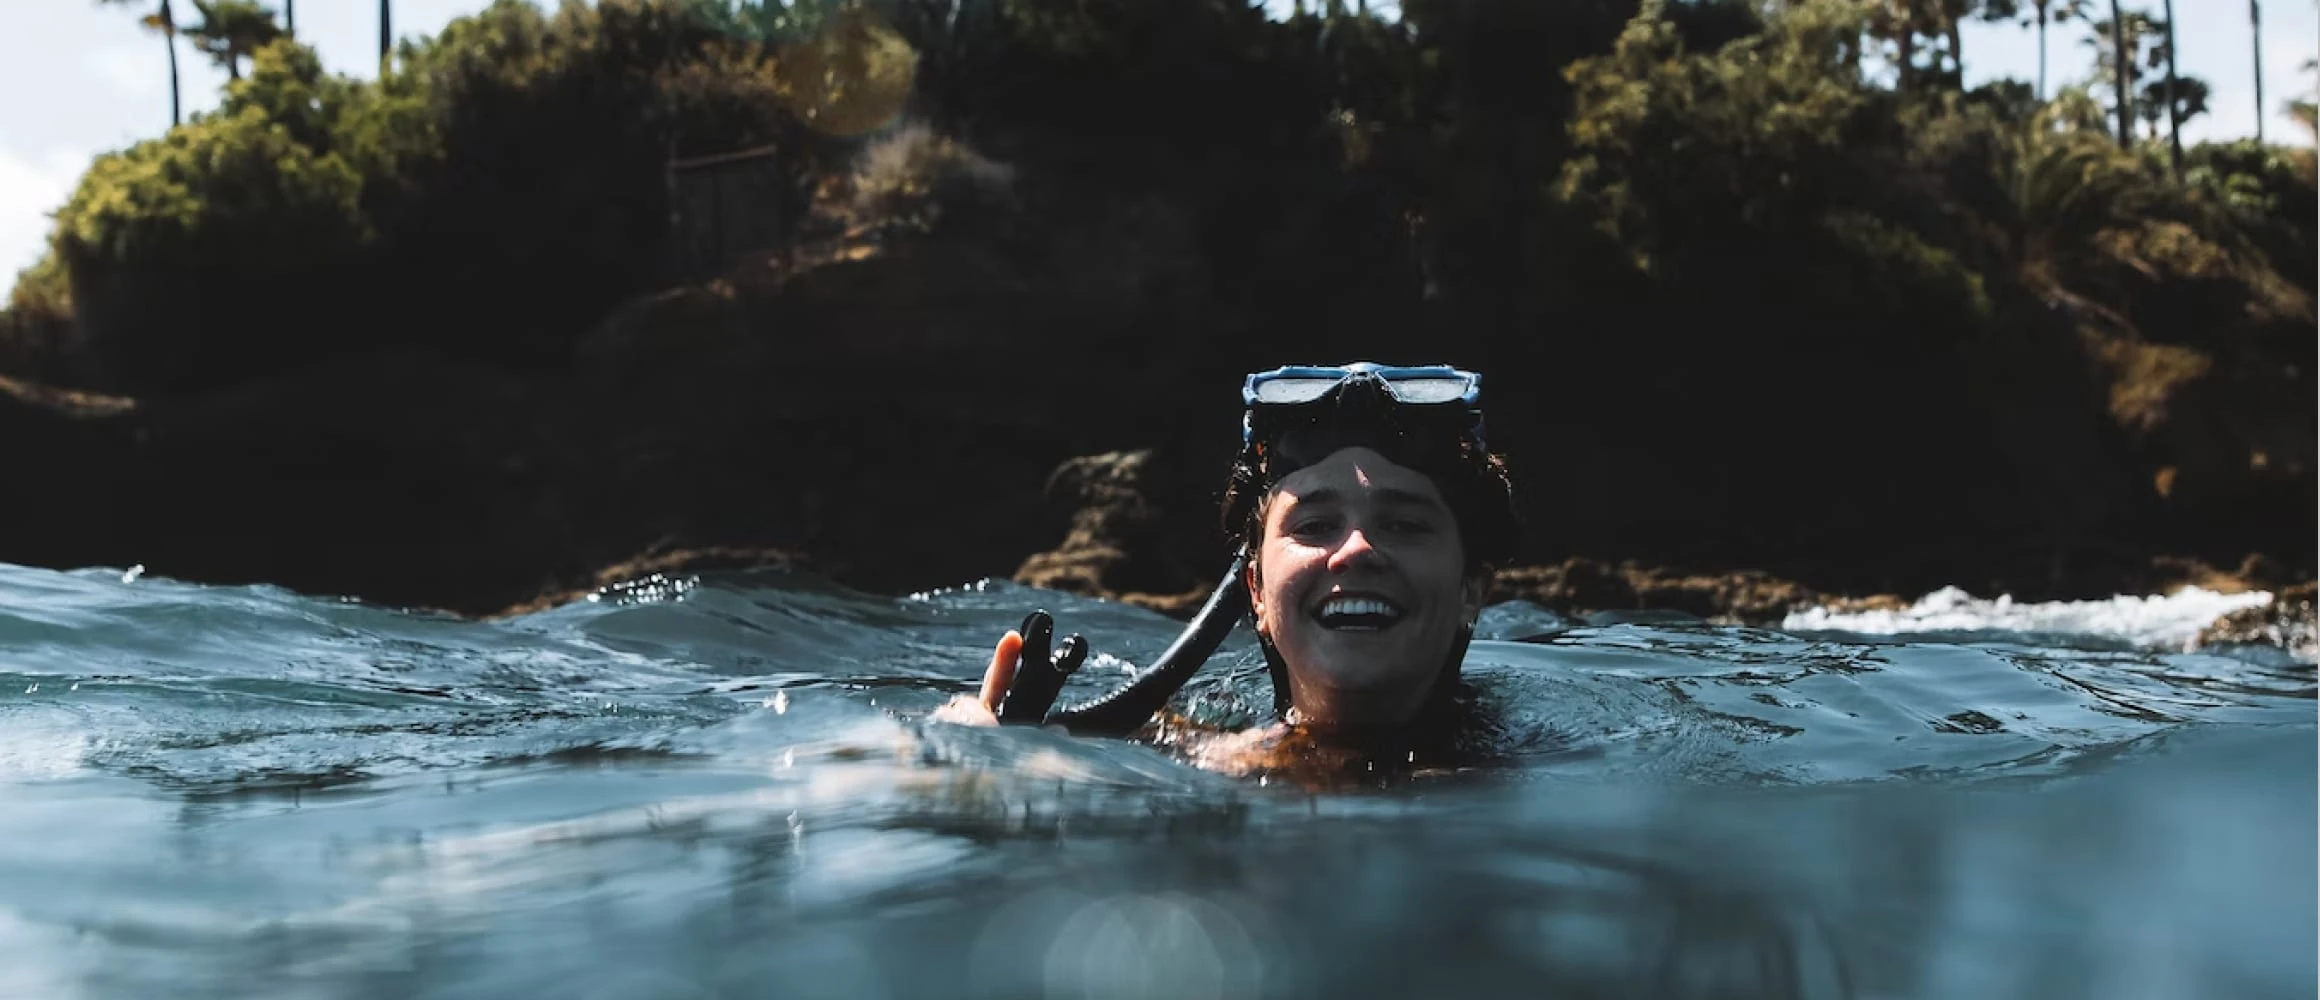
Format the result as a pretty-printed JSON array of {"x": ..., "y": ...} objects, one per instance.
[{"x": 1385, "y": 494}]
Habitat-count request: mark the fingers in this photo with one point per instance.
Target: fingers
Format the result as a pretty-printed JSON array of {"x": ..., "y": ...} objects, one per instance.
[
  {"x": 1038, "y": 629},
  {"x": 1073, "y": 653},
  {"x": 1039, "y": 681},
  {"x": 1024, "y": 677},
  {"x": 1026, "y": 698},
  {"x": 1001, "y": 673}
]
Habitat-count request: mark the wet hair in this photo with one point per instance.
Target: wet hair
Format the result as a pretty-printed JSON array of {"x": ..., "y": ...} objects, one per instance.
[{"x": 1473, "y": 481}]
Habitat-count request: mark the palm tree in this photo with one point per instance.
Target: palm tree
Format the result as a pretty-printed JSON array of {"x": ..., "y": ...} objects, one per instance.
[
  {"x": 2188, "y": 98},
  {"x": 2064, "y": 185},
  {"x": 2052, "y": 12},
  {"x": 230, "y": 30},
  {"x": 2119, "y": 75},
  {"x": 2256, "y": 29},
  {"x": 2043, "y": 7},
  {"x": 164, "y": 20},
  {"x": 2174, "y": 107},
  {"x": 2117, "y": 43}
]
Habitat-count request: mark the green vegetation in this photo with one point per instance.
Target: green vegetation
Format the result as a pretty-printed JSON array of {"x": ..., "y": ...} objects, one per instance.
[
  {"x": 1532, "y": 169},
  {"x": 231, "y": 31},
  {"x": 502, "y": 188}
]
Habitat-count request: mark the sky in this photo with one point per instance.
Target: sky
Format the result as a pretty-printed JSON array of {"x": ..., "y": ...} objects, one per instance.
[{"x": 92, "y": 79}]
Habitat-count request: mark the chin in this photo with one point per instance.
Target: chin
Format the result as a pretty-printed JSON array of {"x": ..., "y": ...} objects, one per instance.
[{"x": 1354, "y": 667}]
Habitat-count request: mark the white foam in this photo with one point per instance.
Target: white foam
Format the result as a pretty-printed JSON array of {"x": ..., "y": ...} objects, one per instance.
[
  {"x": 32, "y": 748},
  {"x": 2156, "y": 620}
]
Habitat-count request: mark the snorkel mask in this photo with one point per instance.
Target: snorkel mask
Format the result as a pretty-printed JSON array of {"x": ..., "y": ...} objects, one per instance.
[
  {"x": 1425, "y": 417},
  {"x": 1280, "y": 398}
]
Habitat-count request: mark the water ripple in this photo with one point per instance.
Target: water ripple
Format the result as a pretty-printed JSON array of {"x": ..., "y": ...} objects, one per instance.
[{"x": 725, "y": 786}]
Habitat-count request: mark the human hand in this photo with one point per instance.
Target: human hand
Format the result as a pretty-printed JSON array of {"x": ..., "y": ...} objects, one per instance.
[{"x": 1023, "y": 678}]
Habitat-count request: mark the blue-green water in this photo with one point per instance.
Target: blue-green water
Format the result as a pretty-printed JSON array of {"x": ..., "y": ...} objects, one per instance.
[{"x": 726, "y": 788}]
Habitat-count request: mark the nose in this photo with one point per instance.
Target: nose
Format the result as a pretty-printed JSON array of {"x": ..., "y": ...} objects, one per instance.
[{"x": 1355, "y": 551}]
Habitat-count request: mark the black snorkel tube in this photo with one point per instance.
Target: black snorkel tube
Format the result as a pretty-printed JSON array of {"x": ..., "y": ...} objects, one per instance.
[{"x": 1126, "y": 710}]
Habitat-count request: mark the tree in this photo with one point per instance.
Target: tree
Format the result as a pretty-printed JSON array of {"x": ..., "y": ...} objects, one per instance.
[
  {"x": 2047, "y": 13},
  {"x": 2174, "y": 103},
  {"x": 2256, "y": 31},
  {"x": 2124, "y": 67},
  {"x": 1952, "y": 14},
  {"x": 2301, "y": 109},
  {"x": 1902, "y": 21},
  {"x": 164, "y": 20},
  {"x": 2118, "y": 44},
  {"x": 231, "y": 30},
  {"x": 386, "y": 36},
  {"x": 2190, "y": 101}
]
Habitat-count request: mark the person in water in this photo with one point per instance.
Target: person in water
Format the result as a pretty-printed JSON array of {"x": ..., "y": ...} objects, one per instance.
[{"x": 1366, "y": 514}]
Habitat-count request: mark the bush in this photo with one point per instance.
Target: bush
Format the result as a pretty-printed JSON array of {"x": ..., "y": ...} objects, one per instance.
[
  {"x": 1677, "y": 153},
  {"x": 36, "y": 325},
  {"x": 212, "y": 252},
  {"x": 2269, "y": 193},
  {"x": 501, "y": 189},
  {"x": 1528, "y": 168},
  {"x": 538, "y": 198}
]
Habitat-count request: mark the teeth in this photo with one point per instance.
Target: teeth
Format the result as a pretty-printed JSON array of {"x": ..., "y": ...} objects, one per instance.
[{"x": 1358, "y": 606}]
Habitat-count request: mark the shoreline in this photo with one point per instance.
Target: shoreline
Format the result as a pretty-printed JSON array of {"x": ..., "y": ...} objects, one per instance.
[
  {"x": 440, "y": 518},
  {"x": 995, "y": 333}
]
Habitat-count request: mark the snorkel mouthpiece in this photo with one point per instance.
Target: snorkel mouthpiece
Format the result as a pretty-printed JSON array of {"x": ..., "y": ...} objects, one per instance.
[{"x": 1127, "y": 709}]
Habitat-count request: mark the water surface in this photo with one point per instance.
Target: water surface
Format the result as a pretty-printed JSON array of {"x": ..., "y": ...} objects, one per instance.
[{"x": 725, "y": 787}]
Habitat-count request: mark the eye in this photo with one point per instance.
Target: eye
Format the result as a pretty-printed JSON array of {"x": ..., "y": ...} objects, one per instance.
[
  {"x": 1312, "y": 527},
  {"x": 1409, "y": 526}
]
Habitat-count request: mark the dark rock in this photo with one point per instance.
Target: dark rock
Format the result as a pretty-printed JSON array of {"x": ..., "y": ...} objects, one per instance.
[
  {"x": 1583, "y": 586},
  {"x": 1125, "y": 508},
  {"x": 2286, "y": 622}
]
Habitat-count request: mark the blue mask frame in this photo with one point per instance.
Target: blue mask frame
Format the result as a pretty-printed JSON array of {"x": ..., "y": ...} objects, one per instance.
[{"x": 1396, "y": 382}]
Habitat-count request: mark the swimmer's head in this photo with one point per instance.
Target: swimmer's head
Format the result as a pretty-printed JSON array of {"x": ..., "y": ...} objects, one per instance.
[{"x": 1372, "y": 524}]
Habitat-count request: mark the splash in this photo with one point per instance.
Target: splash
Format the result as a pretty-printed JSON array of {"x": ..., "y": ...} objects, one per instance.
[{"x": 2158, "y": 620}]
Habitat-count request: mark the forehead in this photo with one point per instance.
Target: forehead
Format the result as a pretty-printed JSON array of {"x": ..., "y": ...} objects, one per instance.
[{"x": 1358, "y": 472}]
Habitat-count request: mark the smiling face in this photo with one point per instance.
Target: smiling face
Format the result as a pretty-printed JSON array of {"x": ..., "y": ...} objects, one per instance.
[{"x": 1360, "y": 583}]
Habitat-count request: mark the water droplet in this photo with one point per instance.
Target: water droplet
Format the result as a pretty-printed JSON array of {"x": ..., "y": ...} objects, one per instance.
[
  {"x": 780, "y": 702},
  {"x": 133, "y": 573}
]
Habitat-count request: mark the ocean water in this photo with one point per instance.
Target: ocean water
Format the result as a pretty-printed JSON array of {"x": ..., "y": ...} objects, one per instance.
[{"x": 726, "y": 787}]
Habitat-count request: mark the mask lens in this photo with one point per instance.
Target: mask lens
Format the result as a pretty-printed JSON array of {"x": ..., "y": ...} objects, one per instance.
[
  {"x": 1293, "y": 390},
  {"x": 1428, "y": 390}
]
